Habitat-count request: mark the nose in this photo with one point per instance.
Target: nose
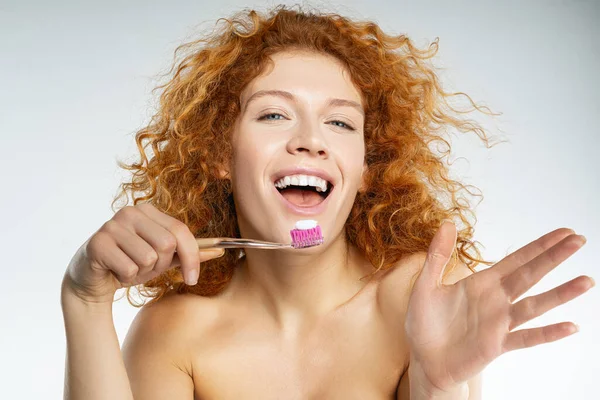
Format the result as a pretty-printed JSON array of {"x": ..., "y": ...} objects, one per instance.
[{"x": 309, "y": 140}]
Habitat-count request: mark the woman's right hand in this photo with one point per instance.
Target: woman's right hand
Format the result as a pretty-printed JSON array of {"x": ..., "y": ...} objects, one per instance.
[{"x": 136, "y": 245}]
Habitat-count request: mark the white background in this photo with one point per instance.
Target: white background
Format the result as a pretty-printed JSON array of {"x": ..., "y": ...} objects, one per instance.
[{"x": 75, "y": 83}]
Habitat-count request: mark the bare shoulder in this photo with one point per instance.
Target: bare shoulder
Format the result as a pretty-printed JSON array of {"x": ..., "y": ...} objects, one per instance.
[
  {"x": 396, "y": 284},
  {"x": 157, "y": 346},
  {"x": 172, "y": 320}
]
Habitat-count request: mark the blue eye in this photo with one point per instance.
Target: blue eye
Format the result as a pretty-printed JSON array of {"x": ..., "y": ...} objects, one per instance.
[
  {"x": 343, "y": 123},
  {"x": 263, "y": 117},
  {"x": 267, "y": 115}
]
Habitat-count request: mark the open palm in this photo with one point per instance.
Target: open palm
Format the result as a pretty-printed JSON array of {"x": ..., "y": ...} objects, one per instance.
[{"x": 455, "y": 330}]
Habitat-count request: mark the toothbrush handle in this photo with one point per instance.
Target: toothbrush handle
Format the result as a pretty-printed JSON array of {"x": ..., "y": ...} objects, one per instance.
[
  {"x": 232, "y": 243},
  {"x": 208, "y": 243}
]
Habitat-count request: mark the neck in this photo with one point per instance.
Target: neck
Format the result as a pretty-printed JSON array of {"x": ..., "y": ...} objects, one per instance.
[{"x": 299, "y": 288}]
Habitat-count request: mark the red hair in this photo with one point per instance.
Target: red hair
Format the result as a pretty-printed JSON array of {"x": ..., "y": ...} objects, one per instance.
[{"x": 408, "y": 190}]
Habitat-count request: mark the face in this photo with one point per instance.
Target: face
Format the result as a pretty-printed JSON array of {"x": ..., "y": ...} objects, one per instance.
[{"x": 290, "y": 145}]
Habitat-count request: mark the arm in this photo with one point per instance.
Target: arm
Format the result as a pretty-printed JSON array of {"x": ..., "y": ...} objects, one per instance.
[
  {"x": 136, "y": 245},
  {"x": 95, "y": 367}
]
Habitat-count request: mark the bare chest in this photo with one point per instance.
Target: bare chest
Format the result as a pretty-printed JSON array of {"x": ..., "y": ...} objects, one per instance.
[{"x": 352, "y": 354}]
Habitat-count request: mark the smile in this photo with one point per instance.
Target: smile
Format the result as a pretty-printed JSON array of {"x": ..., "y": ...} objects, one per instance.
[{"x": 304, "y": 200}]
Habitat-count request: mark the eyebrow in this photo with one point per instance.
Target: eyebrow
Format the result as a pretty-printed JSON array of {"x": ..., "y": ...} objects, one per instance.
[{"x": 287, "y": 95}]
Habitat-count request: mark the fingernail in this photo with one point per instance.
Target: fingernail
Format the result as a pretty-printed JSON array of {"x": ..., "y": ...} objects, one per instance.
[
  {"x": 192, "y": 277},
  {"x": 576, "y": 327},
  {"x": 584, "y": 239},
  {"x": 212, "y": 254}
]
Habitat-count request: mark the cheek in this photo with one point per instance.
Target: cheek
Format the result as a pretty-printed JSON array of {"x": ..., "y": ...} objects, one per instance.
[
  {"x": 351, "y": 155},
  {"x": 251, "y": 157},
  {"x": 348, "y": 144},
  {"x": 354, "y": 176},
  {"x": 245, "y": 165}
]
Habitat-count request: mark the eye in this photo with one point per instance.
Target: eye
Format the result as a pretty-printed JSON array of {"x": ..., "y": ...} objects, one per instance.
[
  {"x": 262, "y": 117},
  {"x": 345, "y": 125}
]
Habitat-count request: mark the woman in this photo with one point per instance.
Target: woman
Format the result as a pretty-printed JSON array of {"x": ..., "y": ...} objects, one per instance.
[{"x": 388, "y": 307}]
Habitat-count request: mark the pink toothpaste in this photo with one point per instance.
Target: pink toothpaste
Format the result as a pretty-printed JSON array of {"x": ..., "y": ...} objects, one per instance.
[{"x": 306, "y": 234}]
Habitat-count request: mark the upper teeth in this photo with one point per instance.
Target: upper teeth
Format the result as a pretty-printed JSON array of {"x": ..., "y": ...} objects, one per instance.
[{"x": 302, "y": 180}]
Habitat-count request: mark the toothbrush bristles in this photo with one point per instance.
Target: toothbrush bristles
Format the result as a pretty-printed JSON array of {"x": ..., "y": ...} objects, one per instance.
[{"x": 303, "y": 238}]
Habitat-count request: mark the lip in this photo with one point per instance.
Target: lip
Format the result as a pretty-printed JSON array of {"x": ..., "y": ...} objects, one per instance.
[
  {"x": 305, "y": 211},
  {"x": 304, "y": 171}
]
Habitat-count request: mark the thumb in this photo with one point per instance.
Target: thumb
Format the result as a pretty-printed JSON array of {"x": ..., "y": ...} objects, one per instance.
[
  {"x": 205, "y": 255},
  {"x": 209, "y": 254},
  {"x": 438, "y": 255}
]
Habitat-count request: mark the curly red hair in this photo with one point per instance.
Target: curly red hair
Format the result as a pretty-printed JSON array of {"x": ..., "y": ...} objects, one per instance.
[{"x": 408, "y": 190}]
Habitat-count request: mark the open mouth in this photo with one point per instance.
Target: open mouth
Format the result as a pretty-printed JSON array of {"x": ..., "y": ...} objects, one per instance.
[{"x": 304, "y": 196}]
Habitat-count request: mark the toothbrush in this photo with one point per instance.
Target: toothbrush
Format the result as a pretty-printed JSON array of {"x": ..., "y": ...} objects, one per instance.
[{"x": 305, "y": 234}]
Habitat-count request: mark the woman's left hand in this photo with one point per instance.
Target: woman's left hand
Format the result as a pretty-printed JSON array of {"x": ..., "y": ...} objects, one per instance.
[{"x": 455, "y": 330}]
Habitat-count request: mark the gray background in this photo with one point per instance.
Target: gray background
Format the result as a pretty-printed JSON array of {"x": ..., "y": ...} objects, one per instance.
[{"x": 75, "y": 83}]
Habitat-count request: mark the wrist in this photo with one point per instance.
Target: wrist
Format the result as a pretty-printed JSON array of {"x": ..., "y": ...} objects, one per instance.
[
  {"x": 71, "y": 297},
  {"x": 421, "y": 388}
]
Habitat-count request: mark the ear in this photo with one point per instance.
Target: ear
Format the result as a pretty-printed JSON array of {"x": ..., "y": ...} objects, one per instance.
[
  {"x": 223, "y": 173},
  {"x": 223, "y": 170}
]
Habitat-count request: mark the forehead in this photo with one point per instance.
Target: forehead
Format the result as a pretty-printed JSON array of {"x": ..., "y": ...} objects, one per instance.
[{"x": 307, "y": 74}]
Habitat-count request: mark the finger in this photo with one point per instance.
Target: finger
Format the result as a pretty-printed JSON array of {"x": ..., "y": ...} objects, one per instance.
[
  {"x": 524, "y": 277},
  {"x": 185, "y": 242},
  {"x": 161, "y": 241},
  {"x": 532, "y": 337},
  {"x": 104, "y": 249},
  {"x": 528, "y": 252},
  {"x": 130, "y": 243},
  {"x": 534, "y": 306},
  {"x": 126, "y": 271},
  {"x": 205, "y": 255},
  {"x": 440, "y": 251}
]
